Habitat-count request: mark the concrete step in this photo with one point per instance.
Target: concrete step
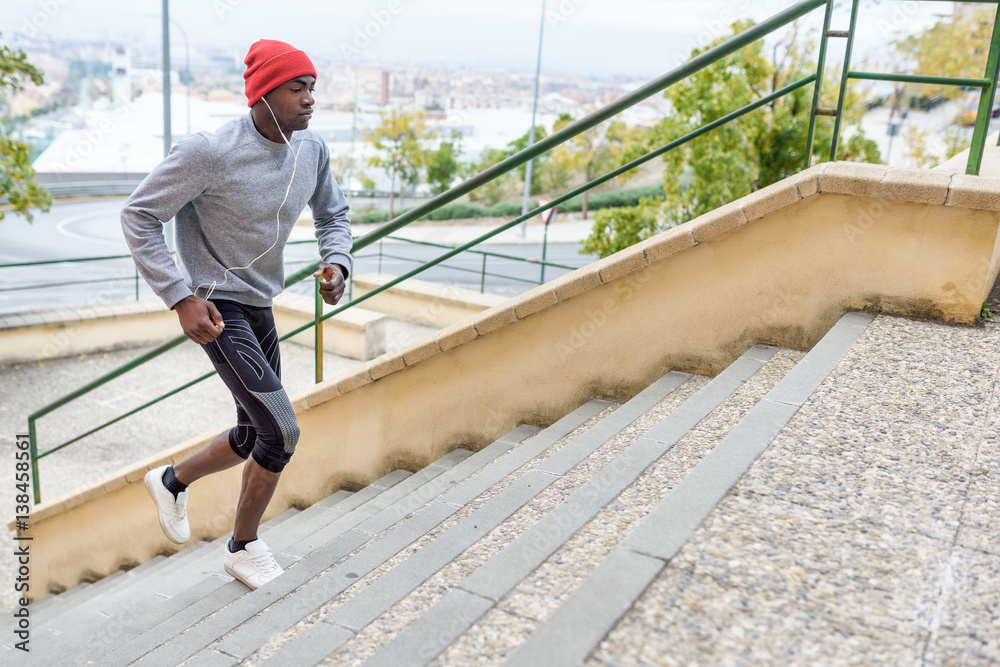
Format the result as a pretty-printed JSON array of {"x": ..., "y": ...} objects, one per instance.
[
  {"x": 140, "y": 632},
  {"x": 570, "y": 634},
  {"x": 382, "y": 535},
  {"x": 109, "y": 620},
  {"x": 467, "y": 600},
  {"x": 341, "y": 623},
  {"x": 133, "y": 583}
]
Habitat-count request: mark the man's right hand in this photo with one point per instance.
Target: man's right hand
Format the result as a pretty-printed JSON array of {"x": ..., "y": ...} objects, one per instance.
[{"x": 200, "y": 319}]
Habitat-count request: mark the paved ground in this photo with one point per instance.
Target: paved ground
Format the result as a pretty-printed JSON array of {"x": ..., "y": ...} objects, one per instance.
[{"x": 865, "y": 534}]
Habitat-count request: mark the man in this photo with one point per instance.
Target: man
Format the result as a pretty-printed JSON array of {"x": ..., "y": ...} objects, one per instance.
[{"x": 225, "y": 190}]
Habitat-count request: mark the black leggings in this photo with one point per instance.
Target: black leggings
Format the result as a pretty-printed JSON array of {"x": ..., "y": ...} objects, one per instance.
[{"x": 247, "y": 358}]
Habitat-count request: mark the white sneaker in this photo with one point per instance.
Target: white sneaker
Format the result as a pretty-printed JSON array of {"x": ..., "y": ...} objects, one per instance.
[
  {"x": 254, "y": 566},
  {"x": 173, "y": 512}
]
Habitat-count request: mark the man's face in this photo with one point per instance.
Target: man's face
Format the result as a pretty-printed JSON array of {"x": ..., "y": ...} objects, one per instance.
[{"x": 292, "y": 103}]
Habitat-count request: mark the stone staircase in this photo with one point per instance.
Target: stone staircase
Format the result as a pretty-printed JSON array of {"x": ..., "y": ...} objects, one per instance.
[{"x": 570, "y": 523}]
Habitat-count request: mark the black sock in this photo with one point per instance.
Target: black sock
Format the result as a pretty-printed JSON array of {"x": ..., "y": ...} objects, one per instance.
[
  {"x": 170, "y": 481},
  {"x": 235, "y": 546}
]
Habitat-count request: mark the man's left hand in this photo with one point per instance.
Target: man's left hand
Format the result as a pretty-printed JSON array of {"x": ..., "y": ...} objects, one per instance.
[{"x": 333, "y": 283}]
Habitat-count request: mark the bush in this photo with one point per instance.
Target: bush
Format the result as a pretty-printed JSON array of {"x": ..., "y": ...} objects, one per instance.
[
  {"x": 618, "y": 228},
  {"x": 511, "y": 208},
  {"x": 613, "y": 198},
  {"x": 370, "y": 217},
  {"x": 459, "y": 210}
]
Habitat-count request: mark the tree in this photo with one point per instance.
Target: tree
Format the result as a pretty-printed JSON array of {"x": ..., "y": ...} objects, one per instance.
[
  {"x": 442, "y": 165},
  {"x": 955, "y": 46},
  {"x": 750, "y": 153},
  {"x": 494, "y": 191},
  {"x": 399, "y": 141},
  {"x": 346, "y": 167},
  {"x": 596, "y": 151},
  {"x": 17, "y": 177}
]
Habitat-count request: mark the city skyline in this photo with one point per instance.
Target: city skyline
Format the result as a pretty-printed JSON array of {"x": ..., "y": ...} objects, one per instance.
[{"x": 634, "y": 38}]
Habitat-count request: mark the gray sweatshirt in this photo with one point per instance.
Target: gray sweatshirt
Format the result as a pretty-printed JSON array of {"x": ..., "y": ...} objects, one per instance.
[{"x": 224, "y": 189}]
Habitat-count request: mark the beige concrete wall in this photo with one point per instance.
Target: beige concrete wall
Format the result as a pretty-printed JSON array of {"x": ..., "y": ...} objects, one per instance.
[
  {"x": 423, "y": 302},
  {"x": 780, "y": 267},
  {"x": 70, "y": 331}
]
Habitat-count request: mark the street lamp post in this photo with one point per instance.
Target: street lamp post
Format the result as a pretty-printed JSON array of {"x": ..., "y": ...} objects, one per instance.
[
  {"x": 167, "y": 138},
  {"x": 528, "y": 172}
]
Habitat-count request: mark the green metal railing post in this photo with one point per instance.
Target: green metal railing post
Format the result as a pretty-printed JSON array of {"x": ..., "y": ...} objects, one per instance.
[
  {"x": 545, "y": 245},
  {"x": 318, "y": 333},
  {"x": 843, "y": 81},
  {"x": 36, "y": 483},
  {"x": 818, "y": 88},
  {"x": 983, "y": 115},
  {"x": 137, "y": 283},
  {"x": 482, "y": 277}
]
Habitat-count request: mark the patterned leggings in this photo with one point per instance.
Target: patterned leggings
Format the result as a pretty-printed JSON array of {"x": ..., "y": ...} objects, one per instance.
[{"x": 247, "y": 358}]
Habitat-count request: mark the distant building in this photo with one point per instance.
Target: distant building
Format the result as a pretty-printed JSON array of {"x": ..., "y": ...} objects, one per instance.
[
  {"x": 384, "y": 97},
  {"x": 121, "y": 75}
]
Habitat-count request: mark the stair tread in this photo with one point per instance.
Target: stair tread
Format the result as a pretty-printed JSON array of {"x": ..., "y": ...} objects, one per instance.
[
  {"x": 385, "y": 545},
  {"x": 160, "y": 625},
  {"x": 573, "y": 630},
  {"x": 527, "y": 551}
]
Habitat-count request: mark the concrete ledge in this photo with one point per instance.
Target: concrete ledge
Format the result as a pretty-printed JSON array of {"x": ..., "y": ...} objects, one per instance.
[
  {"x": 912, "y": 185},
  {"x": 853, "y": 178},
  {"x": 64, "y": 332},
  {"x": 770, "y": 199},
  {"x": 423, "y": 302},
  {"x": 975, "y": 192},
  {"x": 722, "y": 220},
  {"x": 783, "y": 279},
  {"x": 356, "y": 333}
]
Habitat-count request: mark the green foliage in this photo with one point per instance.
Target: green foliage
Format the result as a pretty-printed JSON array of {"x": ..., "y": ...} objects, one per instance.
[
  {"x": 986, "y": 313},
  {"x": 442, "y": 165},
  {"x": 510, "y": 208},
  {"x": 614, "y": 198},
  {"x": 399, "y": 144},
  {"x": 596, "y": 151},
  {"x": 615, "y": 229},
  {"x": 494, "y": 191},
  {"x": 747, "y": 154},
  {"x": 17, "y": 177}
]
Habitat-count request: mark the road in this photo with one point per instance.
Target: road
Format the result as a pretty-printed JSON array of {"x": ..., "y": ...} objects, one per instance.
[{"x": 82, "y": 229}]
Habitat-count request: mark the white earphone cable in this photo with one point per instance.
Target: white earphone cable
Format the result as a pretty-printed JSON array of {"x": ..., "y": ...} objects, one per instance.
[{"x": 277, "y": 234}]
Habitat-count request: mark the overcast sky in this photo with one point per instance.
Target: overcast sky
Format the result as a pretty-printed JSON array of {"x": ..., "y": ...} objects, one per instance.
[{"x": 640, "y": 38}]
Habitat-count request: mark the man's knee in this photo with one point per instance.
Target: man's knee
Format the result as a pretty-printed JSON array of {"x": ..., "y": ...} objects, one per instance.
[
  {"x": 241, "y": 440},
  {"x": 275, "y": 457}
]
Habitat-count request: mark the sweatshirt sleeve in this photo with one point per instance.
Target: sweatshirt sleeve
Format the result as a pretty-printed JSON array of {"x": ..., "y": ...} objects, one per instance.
[
  {"x": 330, "y": 208},
  {"x": 184, "y": 174}
]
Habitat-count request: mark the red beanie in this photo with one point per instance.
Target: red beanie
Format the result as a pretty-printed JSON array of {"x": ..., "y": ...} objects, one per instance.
[{"x": 271, "y": 63}]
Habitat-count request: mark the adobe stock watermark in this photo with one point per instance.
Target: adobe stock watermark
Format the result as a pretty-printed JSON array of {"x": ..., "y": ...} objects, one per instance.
[
  {"x": 47, "y": 10},
  {"x": 714, "y": 29},
  {"x": 561, "y": 13},
  {"x": 597, "y": 318},
  {"x": 902, "y": 14},
  {"x": 365, "y": 34}
]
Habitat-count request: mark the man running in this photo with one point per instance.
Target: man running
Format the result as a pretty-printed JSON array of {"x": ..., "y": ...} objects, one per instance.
[{"x": 236, "y": 194}]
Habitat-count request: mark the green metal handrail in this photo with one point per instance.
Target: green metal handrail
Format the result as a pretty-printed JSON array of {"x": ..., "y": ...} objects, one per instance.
[
  {"x": 698, "y": 63},
  {"x": 987, "y": 84}
]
